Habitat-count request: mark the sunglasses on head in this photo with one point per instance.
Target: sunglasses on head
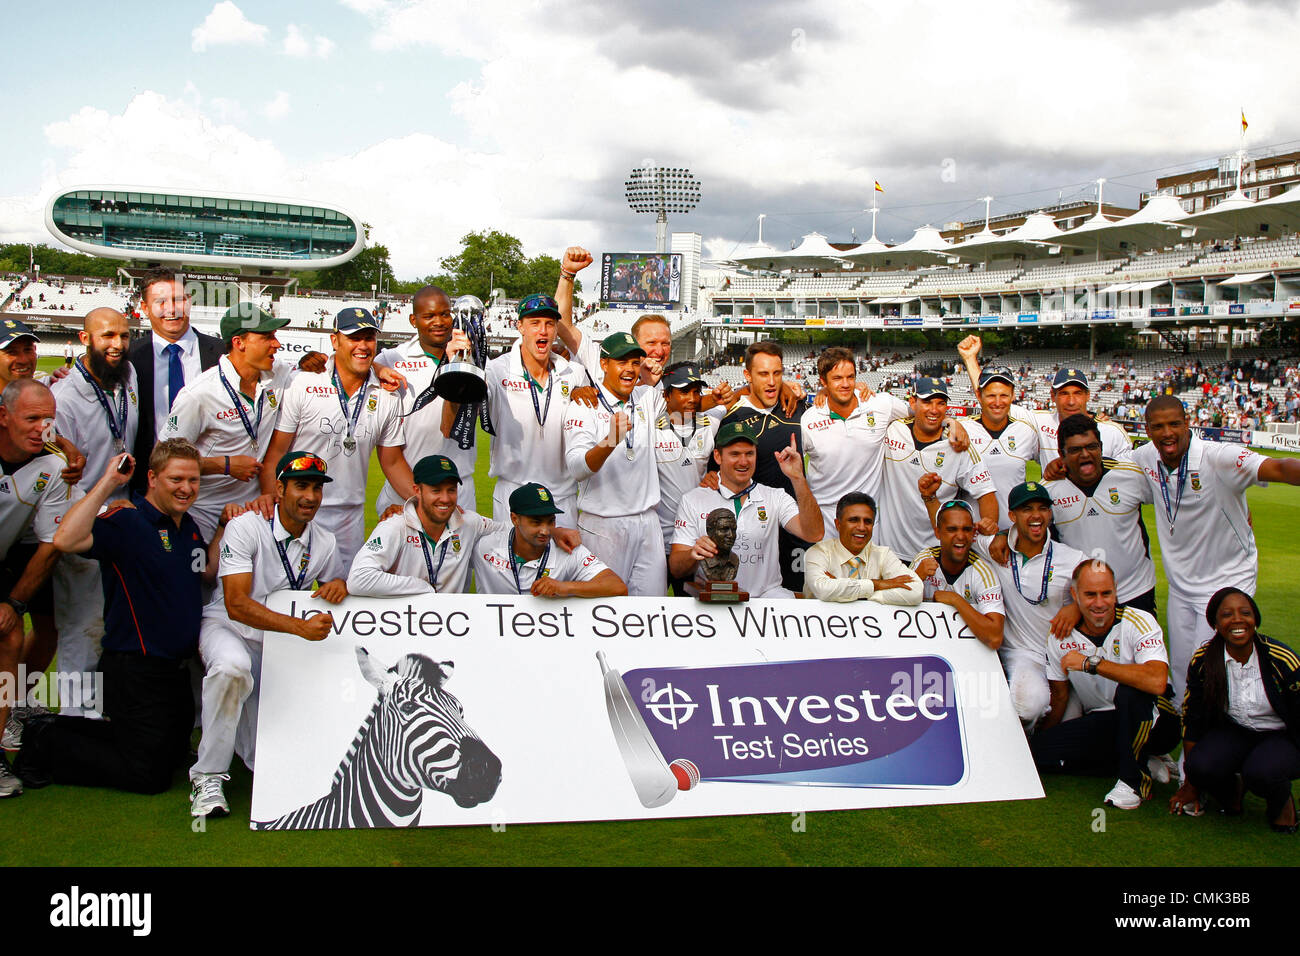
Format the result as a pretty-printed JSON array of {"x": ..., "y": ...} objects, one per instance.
[{"x": 304, "y": 463}]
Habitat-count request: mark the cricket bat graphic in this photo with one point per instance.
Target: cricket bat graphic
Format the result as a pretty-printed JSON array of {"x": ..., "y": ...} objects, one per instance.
[{"x": 654, "y": 783}]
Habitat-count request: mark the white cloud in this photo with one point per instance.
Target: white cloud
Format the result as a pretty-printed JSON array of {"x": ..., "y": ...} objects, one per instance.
[
  {"x": 299, "y": 44},
  {"x": 277, "y": 107},
  {"x": 226, "y": 24}
]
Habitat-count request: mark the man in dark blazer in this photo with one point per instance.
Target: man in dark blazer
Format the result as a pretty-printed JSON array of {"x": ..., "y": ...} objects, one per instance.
[{"x": 170, "y": 355}]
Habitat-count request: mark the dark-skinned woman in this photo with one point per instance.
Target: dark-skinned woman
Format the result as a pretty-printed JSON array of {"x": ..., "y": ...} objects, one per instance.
[{"x": 1241, "y": 716}]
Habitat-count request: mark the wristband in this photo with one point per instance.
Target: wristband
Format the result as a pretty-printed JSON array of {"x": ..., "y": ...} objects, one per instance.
[
  {"x": 566, "y": 274},
  {"x": 227, "y": 464}
]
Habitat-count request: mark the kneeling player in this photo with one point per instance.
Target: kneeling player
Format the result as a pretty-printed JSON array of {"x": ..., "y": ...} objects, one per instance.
[
  {"x": 1113, "y": 670},
  {"x": 955, "y": 575},
  {"x": 521, "y": 559},
  {"x": 257, "y": 557}
]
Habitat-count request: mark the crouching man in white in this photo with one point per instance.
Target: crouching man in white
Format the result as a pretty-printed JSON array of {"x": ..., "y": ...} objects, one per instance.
[
  {"x": 429, "y": 546},
  {"x": 1113, "y": 671},
  {"x": 257, "y": 557}
]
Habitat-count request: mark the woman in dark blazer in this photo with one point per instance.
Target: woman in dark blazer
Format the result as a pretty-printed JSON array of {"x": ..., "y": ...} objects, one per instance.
[{"x": 1241, "y": 716}]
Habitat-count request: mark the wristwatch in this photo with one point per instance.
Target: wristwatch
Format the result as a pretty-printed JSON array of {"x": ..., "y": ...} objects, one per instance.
[
  {"x": 1090, "y": 664},
  {"x": 20, "y": 607}
]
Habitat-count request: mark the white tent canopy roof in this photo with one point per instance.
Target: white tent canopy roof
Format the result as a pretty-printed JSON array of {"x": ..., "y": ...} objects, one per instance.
[
  {"x": 1038, "y": 230},
  {"x": 1154, "y": 226}
]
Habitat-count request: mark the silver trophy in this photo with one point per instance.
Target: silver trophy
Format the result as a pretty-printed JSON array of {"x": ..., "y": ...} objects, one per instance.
[{"x": 461, "y": 377}]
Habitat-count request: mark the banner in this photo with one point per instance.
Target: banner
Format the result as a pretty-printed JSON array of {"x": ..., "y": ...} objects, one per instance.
[
  {"x": 454, "y": 709},
  {"x": 1276, "y": 441}
]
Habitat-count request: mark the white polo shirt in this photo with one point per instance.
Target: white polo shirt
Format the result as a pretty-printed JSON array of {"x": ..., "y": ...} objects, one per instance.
[
  {"x": 492, "y": 572},
  {"x": 1115, "y": 442},
  {"x": 847, "y": 453},
  {"x": 623, "y": 485},
  {"x": 525, "y": 449},
  {"x": 902, "y": 520},
  {"x": 1135, "y": 638},
  {"x": 1005, "y": 456},
  {"x": 764, "y": 511},
  {"x": 81, "y": 419},
  {"x": 1107, "y": 524},
  {"x": 1210, "y": 543},
  {"x": 34, "y": 498},
  {"x": 978, "y": 583},
  {"x": 190, "y": 367},
  {"x": 423, "y": 428},
  {"x": 1029, "y": 624},
  {"x": 682, "y": 454},
  {"x": 393, "y": 562},
  {"x": 311, "y": 409},
  {"x": 248, "y": 546},
  {"x": 205, "y": 415}
]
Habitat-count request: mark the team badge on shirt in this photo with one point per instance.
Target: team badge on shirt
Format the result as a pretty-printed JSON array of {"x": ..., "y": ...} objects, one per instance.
[
  {"x": 42, "y": 480},
  {"x": 1114, "y": 646},
  {"x": 1196, "y": 481},
  {"x": 1011, "y": 443},
  {"x": 373, "y": 403},
  {"x": 166, "y": 539},
  {"x": 455, "y": 543},
  {"x": 564, "y": 389},
  {"x": 130, "y": 393},
  {"x": 938, "y": 461},
  {"x": 871, "y": 421},
  {"x": 1114, "y": 496},
  {"x": 270, "y": 397},
  {"x": 762, "y": 513}
]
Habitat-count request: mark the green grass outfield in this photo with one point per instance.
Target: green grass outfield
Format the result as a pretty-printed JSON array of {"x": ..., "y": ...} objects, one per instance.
[{"x": 71, "y": 825}]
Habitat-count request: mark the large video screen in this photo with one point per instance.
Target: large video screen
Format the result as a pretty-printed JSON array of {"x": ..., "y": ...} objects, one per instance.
[{"x": 641, "y": 279}]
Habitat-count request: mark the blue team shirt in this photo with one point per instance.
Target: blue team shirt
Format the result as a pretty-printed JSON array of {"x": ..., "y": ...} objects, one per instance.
[{"x": 152, "y": 576}]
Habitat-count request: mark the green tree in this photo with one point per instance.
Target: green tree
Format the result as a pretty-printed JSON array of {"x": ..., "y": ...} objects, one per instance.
[
  {"x": 493, "y": 259},
  {"x": 369, "y": 267}
]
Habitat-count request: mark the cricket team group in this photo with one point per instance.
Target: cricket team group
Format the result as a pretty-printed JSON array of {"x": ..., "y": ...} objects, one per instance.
[{"x": 159, "y": 488}]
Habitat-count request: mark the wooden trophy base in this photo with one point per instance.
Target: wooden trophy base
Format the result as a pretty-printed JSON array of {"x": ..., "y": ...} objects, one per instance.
[{"x": 721, "y": 592}]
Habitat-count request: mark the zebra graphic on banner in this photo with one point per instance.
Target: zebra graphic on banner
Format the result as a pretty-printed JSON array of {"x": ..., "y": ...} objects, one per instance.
[{"x": 414, "y": 739}]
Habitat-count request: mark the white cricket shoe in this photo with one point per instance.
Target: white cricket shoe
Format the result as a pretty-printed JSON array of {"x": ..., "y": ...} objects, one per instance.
[
  {"x": 10, "y": 785},
  {"x": 1161, "y": 768},
  {"x": 1123, "y": 797},
  {"x": 206, "y": 796}
]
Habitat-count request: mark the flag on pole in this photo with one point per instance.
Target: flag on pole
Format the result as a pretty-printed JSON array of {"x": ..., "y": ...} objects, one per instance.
[
  {"x": 881, "y": 189},
  {"x": 1243, "y": 122}
]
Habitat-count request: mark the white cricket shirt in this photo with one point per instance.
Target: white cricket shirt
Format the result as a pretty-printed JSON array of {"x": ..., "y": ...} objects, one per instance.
[
  {"x": 491, "y": 564},
  {"x": 34, "y": 498},
  {"x": 682, "y": 453},
  {"x": 847, "y": 453},
  {"x": 977, "y": 583},
  {"x": 1005, "y": 456},
  {"x": 1115, "y": 442},
  {"x": 393, "y": 562},
  {"x": 80, "y": 418},
  {"x": 763, "y": 512},
  {"x": 311, "y": 409},
  {"x": 1135, "y": 638},
  {"x": 525, "y": 449},
  {"x": 623, "y": 485},
  {"x": 1028, "y": 624},
  {"x": 205, "y": 415},
  {"x": 248, "y": 546},
  {"x": 1209, "y": 544},
  {"x": 1106, "y": 524},
  {"x": 903, "y": 522}
]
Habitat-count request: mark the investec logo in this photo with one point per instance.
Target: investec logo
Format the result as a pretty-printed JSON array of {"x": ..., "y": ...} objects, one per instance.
[{"x": 816, "y": 721}]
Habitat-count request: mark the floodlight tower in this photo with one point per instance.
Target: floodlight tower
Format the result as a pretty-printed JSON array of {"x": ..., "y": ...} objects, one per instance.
[{"x": 661, "y": 190}]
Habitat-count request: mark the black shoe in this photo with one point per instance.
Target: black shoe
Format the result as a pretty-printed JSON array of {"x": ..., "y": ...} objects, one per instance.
[
  {"x": 28, "y": 764},
  {"x": 1285, "y": 827}
]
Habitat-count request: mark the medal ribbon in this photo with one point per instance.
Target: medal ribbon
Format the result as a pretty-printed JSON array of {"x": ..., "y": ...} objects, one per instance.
[
  {"x": 249, "y": 427},
  {"x": 349, "y": 422},
  {"x": 1171, "y": 512},
  {"x": 1047, "y": 574},
  {"x": 442, "y": 555},
  {"x": 631, "y": 416},
  {"x": 514, "y": 565},
  {"x": 297, "y": 583},
  {"x": 116, "y": 423}
]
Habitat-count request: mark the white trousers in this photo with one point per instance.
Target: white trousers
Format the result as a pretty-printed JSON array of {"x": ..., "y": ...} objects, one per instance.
[
  {"x": 632, "y": 546},
  {"x": 348, "y": 525},
  {"x": 1027, "y": 679},
  {"x": 1187, "y": 630},
  {"x": 79, "y": 616},
  {"x": 231, "y": 687}
]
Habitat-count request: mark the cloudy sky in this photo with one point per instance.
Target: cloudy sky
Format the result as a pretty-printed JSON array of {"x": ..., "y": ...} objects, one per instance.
[{"x": 430, "y": 119}]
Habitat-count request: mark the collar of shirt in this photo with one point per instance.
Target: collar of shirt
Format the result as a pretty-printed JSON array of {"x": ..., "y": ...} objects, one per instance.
[
  {"x": 614, "y": 401},
  {"x": 280, "y": 533},
  {"x": 1013, "y": 536},
  {"x": 232, "y": 376},
  {"x": 412, "y": 348},
  {"x": 150, "y": 513},
  {"x": 842, "y": 555},
  {"x": 1248, "y": 669},
  {"x": 411, "y": 516},
  {"x": 188, "y": 342}
]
